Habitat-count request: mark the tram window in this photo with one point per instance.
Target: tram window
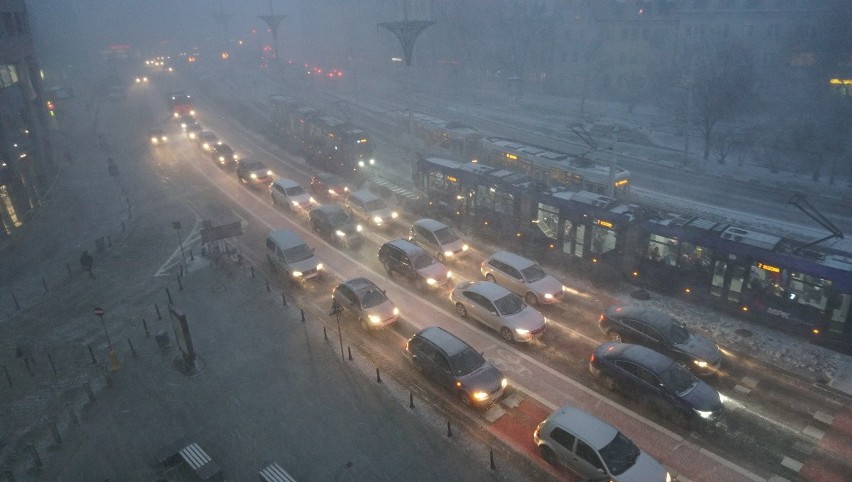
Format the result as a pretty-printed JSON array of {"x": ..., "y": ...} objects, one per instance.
[
  {"x": 809, "y": 290},
  {"x": 764, "y": 281},
  {"x": 662, "y": 249},
  {"x": 548, "y": 220},
  {"x": 603, "y": 240},
  {"x": 437, "y": 182},
  {"x": 694, "y": 259}
]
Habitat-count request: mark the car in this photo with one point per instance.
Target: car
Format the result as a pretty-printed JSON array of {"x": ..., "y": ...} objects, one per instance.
[
  {"x": 333, "y": 223},
  {"x": 184, "y": 120},
  {"x": 406, "y": 259},
  {"x": 142, "y": 79},
  {"x": 193, "y": 129},
  {"x": 593, "y": 449},
  {"x": 653, "y": 378},
  {"x": 157, "y": 136},
  {"x": 290, "y": 195},
  {"x": 361, "y": 299},
  {"x": 223, "y": 155},
  {"x": 499, "y": 309},
  {"x": 253, "y": 173},
  {"x": 454, "y": 364},
  {"x": 370, "y": 209},
  {"x": 661, "y": 332},
  {"x": 437, "y": 238},
  {"x": 329, "y": 187},
  {"x": 206, "y": 140},
  {"x": 523, "y": 276},
  {"x": 286, "y": 251}
]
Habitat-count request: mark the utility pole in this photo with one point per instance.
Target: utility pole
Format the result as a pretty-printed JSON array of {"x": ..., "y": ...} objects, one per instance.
[{"x": 273, "y": 20}]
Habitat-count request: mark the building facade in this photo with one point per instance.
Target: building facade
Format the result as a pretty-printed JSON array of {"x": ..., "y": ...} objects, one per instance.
[{"x": 24, "y": 147}]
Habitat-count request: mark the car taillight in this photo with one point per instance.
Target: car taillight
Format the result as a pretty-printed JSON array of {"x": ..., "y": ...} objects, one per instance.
[
  {"x": 601, "y": 317},
  {"x": 592, "y": 358}
]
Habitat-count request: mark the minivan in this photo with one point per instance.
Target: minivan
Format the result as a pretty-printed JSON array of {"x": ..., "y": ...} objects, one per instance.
[
  {"x": 406, "y": 259},
  {"x": 286, "y": 251},
  {"x": 454, "y": 364},
  {"x": 438, "y": 239}
]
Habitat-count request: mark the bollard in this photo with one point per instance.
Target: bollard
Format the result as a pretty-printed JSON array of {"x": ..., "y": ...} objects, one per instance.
[
  {"x": 109, "y": 242},
  {"x": 15, "y": 299},
  {"x": 36, "y": 457},
  {"x": 180, "y": 284},
  {"x": 29, "y": 369},
  {"x": 57, "y": 437},
  {"x": 324, "y": 337},
  {"x": 145, "y": 325},
  {"x": 94, "y": 360},
  {"x": 169, "y": 294},
  {"x": 449, "y": 429},
  {"x": 491, "y": 455},
  {"x": 283, "y": 299},
  {"x": 303, "y": 315},
  {"x": 50, "y": 359},
  {"x": 157, "y": 307},
  {"x": 410, "y": 399},
  {"x": 349, "y": 349},
  {"x": 108, "y": 378},
  {"x": 71, "y": 414},
  {"x": 68, "y": 266},
  {"x": 132, "y": 350},
  {"x": 181, "y": 271},
  {"x": 8, "y": 377},
  {"x": 267, "y": 287},
  {"x": 191, "y": 257},
  {"x": 122, "y": 226},
  {"x": 44, "y": 283},
  {"x": 378, "y": 377},
  {"x": 252, "y": 270},
  {"x": 89, "y": 391}
]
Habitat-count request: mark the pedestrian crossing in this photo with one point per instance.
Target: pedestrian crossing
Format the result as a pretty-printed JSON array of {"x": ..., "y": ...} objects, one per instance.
[{"x": 393, "y": 187}]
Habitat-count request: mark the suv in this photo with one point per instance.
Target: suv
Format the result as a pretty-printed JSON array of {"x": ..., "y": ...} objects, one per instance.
[
  {"x": 370, "y": 208},
  {"x": 451, "y": 362},
  {"x": 499, "y": 309},
  {"x": 438, "y": 238},
  {"x": 288, "y": 193},
  {"x": 523, "y": 276},
  {"x": 332, "y": 223},
  {"x": 593, "y": 449},
  {"x": 366, "y": 302},
  {"x": 654, "y": 378},
  {"x": 286, "y": 251},
  {"x": 413, "y": 263},
  {"x": 663, "y": 333}
]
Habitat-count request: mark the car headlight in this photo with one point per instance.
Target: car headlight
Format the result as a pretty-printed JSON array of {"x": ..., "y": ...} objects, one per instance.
[
  {"x": 548, "y": 296},
  {"x": 360, "y": 163},
  {"x": 395, "y": 311},
  {"x": 394, "y": 215},
  {"x": 340, "y": 233},
  {"x": 700, "y": 363},
  {"x": 297, "y": 274},
  {"x": 449, "y": 274},
  {"x": 222, "y": 159},
  {"x": 296, "y": 203},
  {"x": 372, "y": 162},
  {"x": 235, "y": 157},
  {"x": 192, "y": 113},
  {"x": 377, "y": 220},
  {"x": 374, "y": 319},
  {"x": 253, "y": 175},
  {"x": 154, "y": 140},
  {"x": 522, "y": 331},
  {"x": 504, "y": 383},
  {"x": 431, "y": 281},
  {"x": 465, "y": 247},
  {"x": 479, "y": 395},
  {"x": 312, "y": 200},
  {"x": 448, "y": 253},
  {"x": 164, "y": 138},
  {"x": 269, "y": 172},
  {"x": 703, "y": 414},
  {"x": 359, "y": 228},
  {"x": 319, "y": 266}
]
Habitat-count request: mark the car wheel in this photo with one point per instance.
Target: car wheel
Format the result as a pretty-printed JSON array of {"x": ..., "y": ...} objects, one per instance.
[
  {"x": 364, "y": 325},
  {"x": 314, "y": 226},
  {"x": 461, "y": 310},
  {"x": 388, "y": 268},
  {"x": 269, "y": 258},
  {"x": 682, "y": 420},
  {"x": 490, "y": 277},
  {"x": 614, "y": 336},
  {"x": 531, "y": 299},
  {"x": 465, "y": 398},
  {"x": 547, "y": 454},
  {"x": 506, "y": 334},
  {"x": 440, "y": 257},
  {"x": 609, "y": 382},
  {"x": 274, "y": 201}
]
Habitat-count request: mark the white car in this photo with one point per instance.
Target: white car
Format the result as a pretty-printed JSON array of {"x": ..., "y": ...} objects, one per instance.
[
  {"x": 290, "y": 195},
  {"x": 523, "y": 276},
  {"x": 370, "y": 209},
  {"x": 499, "y": 309},
  {"x": 438, "y": 239}
]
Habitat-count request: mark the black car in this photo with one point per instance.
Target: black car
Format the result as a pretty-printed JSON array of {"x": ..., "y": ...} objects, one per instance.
[
  {"x": 451, "y": 362},
  {"x": 654, "y": 378},
  {"x": 663, "y": 333},
  {"x": 223, "y": 155},
  {"x": 361, "y": 299},
  {"x": 329, "y": 187},
  {"x": 333, "y": 223},
  {"x": 409, "y": 261},
  {"x": 253, "y": 173}
]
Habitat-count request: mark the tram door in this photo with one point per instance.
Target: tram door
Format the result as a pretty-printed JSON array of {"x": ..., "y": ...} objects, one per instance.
[{"x": 728, "y": 279}]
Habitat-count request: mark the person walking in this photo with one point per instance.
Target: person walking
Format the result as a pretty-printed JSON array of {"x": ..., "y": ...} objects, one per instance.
[{"x": 86, "y": 262}]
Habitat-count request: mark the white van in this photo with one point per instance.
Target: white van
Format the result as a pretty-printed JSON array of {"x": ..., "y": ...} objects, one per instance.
[{"x": 286, "y": 251}]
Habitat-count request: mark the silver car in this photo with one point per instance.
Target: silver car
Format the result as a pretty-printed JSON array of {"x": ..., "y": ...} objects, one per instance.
[
  {"x": 366, "y": 302},
  {"x": 523, "y": 276},
  {"x": 370, "y": 209},
  {"x": 438, "y": 239},
  {"x": 290, "y": 195},
  {"x": 593, "y": 449},
  {"x": 499, "y": 309}
]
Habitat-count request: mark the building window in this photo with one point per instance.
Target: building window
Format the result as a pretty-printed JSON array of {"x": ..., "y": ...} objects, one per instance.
[{"x": 8, "y": 75}]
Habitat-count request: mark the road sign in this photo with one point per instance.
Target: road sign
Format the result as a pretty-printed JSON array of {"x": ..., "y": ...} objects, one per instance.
[{"x": 99, "y": 311}]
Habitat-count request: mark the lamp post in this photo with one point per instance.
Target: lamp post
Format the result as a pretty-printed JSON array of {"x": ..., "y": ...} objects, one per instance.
[{"x": 273, "y": 20}]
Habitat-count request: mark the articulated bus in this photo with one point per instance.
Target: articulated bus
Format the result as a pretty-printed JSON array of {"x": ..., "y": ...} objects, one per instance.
[{"x": 763, "y": 276}]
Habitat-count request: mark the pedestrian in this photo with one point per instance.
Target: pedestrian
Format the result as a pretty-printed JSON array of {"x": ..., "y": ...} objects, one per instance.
[{"x": 86, "y": 262}]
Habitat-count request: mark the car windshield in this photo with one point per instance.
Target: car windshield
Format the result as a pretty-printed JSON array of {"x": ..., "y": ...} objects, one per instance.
[
  {"x": 422, "y": 261},
  {"x": 679, "y": 380},
  {"x": 294, "y": 191},
  {"x": 533, "y": 273},
  {"x": 298, "y": 253},
  {"x": 620, "y": 454},
  {"x": 337, "y": 218},
  {"x": 375, "y": 205},
  {"x": 466, "y": 362},
  {"x": 446, "y": 235},
  {"x": 253, "y": 166},
  {"x": 677, "y": 334},
  {"x": 373, "y": 298},
  {"x": 509, "y": 304}
]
